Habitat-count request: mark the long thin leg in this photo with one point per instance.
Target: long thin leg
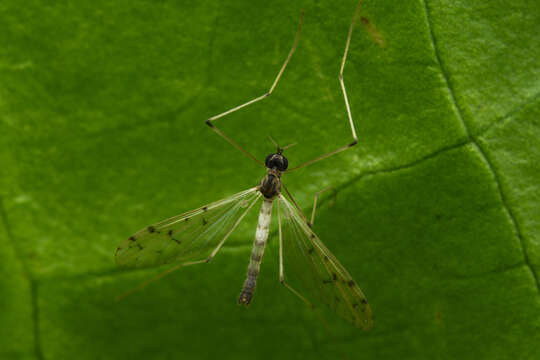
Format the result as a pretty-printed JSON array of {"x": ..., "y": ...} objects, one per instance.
[
  {"x": 294, "y": 202},
  {"x": 355, "y": 138},
  {"x": 232, "y": 229},
  {"x": 281, "y": 271},
  {"x": 210, "y": 121},
  {"x": 281, "y": 275},
  {"x": 176, "y": 267},
  {"x": 315, "y": 202}
]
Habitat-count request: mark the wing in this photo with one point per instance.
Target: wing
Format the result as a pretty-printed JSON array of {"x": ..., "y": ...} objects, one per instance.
[
  {"x": 314, "y": 272},
  {"x": 186, "y": 237}
]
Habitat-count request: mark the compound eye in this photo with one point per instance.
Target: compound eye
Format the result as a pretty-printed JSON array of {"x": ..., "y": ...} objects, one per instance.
[
  {"x": 285, "y": 164},
  {"x": 267, "y": 161},
  {"x": 277, "y": 161}
]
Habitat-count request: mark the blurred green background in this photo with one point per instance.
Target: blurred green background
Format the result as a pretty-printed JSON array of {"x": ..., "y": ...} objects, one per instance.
[{"x": 437, "y": 216}]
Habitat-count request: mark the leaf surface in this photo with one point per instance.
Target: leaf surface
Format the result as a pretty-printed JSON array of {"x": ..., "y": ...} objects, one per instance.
[{"x": 102, "y": 110}]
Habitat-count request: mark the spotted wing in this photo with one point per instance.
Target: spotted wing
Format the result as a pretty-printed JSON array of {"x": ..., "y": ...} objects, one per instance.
[
  {"x": 314, "y": 273},
  {"x": 186, "y": 237}
]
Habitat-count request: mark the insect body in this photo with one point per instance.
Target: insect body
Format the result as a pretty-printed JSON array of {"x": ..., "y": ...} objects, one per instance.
[
  {"x": 306, "y": 267},
  {"x": 270, "y": 187},
  {"x": 261, "y": 235}
]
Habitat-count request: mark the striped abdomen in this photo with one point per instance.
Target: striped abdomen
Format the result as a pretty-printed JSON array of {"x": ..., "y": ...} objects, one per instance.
[{"x": 261, "y": 235}]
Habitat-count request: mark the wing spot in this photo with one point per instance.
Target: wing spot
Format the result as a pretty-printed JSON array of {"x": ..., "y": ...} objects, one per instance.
[
  {"x": 186, "y": 219},
  {"x": 364, "y": 301},
  {"x": 204, "y": 221},
  {"x": 325, "y": 258},
  {"x": 177, "y": 241},
  {"x": 169, "y": 233},
  {"x": 151, "y": 229},
  {"x": 205, "y": 209},
  {"x": 131, "y": 238},
  {"x": 334, "y": 276},
  {"x": 310, "y": 251},
  {"x": 312, "y": 236},
  {"x": 350, "y": 283}
]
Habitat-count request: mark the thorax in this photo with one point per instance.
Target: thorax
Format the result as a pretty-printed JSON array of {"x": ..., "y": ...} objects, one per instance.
[{"x": 270, "y": 185}]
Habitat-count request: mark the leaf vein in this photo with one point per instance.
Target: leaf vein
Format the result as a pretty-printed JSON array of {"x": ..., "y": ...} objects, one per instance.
[
  {"x": 482, "y": 152},
  {"x": 33, "y": 284}
]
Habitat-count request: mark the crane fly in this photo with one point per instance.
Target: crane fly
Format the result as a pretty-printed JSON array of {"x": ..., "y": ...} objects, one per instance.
[{"x": 306, "y": 267}]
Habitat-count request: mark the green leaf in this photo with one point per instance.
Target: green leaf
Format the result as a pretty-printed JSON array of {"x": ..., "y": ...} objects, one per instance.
[{"x": 102, "y": 110}]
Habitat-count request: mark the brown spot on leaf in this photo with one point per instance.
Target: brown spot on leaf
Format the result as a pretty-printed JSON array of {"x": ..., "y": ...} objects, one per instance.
[{"x": 370, "y": 28}]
